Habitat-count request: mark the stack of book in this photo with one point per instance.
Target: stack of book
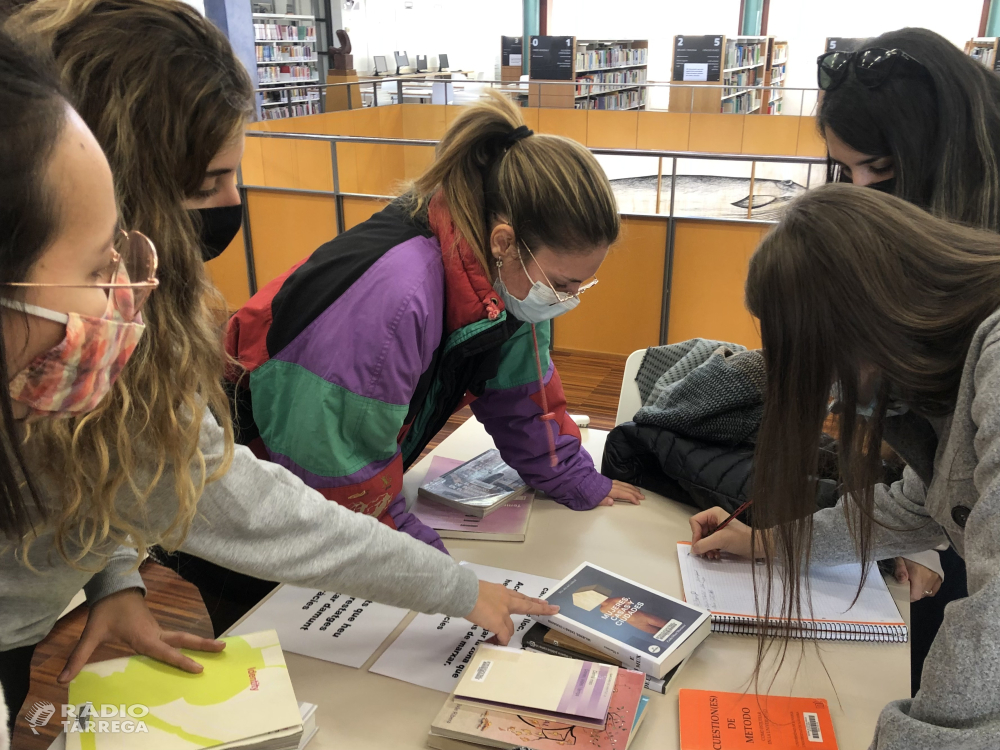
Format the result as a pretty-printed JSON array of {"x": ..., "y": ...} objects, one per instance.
[
  {"x": 512, "y": 699},
  {"x": 243, "y": 698},
  {"x": 543, "y": 640},
  {"x": 630, "y": 623},
  {"x": 480, "y": 499}
]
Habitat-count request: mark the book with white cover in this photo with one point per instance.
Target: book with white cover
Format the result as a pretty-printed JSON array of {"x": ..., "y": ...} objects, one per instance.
[
  {"x": 539, "y": 685},
  {"x": 243, "y": 698}
]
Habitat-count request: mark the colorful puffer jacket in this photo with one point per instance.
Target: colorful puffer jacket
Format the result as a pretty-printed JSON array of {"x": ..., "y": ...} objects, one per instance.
[{"x": 357, "y": 357}]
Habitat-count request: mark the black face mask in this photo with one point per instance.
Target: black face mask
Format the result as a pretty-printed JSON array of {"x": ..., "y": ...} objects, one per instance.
[
  {"x": 883, "y": 186},
  {"x": 218, "y": 227}
]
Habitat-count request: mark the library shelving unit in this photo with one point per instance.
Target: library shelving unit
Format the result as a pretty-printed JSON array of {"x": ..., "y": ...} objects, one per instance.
[
  {"x": 286, "y": 54},
  {"x": 983, "y": 49},
  {"x": 745, "y": 64},
  {"x": 619, "y": 62},
  {"x": 777, "y": 70}
]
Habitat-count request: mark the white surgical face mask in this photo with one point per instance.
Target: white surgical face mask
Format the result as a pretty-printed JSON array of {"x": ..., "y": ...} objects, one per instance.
[{"x": 541, "y": 304}]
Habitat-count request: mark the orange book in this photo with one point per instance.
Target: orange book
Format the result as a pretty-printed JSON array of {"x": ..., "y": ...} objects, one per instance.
[{"x": 712, "y": 720}]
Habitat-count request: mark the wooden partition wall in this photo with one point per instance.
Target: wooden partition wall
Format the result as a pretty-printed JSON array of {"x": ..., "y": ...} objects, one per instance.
[{"x": 623, "y": 312}]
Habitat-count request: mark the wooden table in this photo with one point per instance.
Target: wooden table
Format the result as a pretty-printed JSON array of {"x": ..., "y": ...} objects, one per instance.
[{"x": 360, "y": 710}]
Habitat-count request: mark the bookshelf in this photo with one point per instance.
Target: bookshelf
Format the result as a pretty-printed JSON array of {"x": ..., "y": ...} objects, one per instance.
[
  {"x": 286, "y": 53},
  {"x": 619, "y": 62},
  {"x": 723, "y": 71},
  {"x": 745, "y": 64},
  {"x": 984, "y": 50},
  {"x": 773, "y": 101}
]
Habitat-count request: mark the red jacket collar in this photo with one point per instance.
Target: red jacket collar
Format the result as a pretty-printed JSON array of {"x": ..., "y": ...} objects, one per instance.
[{"x": 469, "y": 296}]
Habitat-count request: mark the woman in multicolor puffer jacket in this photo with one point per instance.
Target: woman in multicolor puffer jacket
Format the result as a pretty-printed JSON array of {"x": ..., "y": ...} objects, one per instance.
[{"x": 358, "y": 356}]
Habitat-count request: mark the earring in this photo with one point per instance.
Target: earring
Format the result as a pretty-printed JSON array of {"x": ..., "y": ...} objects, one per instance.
[{"x": 499, "y": 263}]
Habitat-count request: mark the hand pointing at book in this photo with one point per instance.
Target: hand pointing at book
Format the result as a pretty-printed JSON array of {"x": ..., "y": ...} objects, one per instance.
[
  {"x": 496, "y": 604},
  {"x": 705, "y": 540}
]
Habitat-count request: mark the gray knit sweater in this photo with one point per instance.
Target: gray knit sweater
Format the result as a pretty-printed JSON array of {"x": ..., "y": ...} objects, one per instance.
[
  {"x": 261, "y": 520},
  {"x": 958, "y": 705}
]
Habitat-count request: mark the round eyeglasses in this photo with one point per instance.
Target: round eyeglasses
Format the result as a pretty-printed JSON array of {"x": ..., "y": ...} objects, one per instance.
[{"x": 133, "y": 257}]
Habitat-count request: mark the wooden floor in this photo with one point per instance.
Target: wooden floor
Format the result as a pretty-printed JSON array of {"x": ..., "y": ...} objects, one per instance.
[{"x": 592, "y": 384}]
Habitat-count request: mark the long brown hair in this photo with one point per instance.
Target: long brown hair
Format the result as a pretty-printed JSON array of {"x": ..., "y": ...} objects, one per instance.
[
  {"x": 939, "y": 121},
  {"x": 32, "y": 116},
  {"x": 550, "y": 189},
  {"x": 853, "y": 282},
  {"x": 163, "y": 93}
]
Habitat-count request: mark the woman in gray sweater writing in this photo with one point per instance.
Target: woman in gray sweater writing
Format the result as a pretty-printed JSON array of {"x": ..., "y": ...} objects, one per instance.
[
  {"x": 900, "y": 311},
  {"x": 106, "y": 443}
]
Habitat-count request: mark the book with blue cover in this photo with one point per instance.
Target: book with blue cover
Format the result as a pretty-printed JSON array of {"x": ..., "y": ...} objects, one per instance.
[{"x": 638, "y": 626}]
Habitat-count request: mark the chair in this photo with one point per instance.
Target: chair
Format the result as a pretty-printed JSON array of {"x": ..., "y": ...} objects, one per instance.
[{"x": 629, "y": 402}]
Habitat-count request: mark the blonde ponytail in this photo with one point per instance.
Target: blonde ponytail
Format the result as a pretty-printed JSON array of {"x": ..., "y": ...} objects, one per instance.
[{"x": 550, "y": 189}]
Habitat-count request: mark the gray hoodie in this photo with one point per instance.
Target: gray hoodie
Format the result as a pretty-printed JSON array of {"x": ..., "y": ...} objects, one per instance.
[
  {"x": 958, "y": 705},
  {"x": 259, "y": 519}
]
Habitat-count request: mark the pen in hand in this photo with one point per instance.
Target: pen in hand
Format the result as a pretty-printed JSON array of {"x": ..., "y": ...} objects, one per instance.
[
  {"x": 705, "y": 529},
  {"x": 733, "y": 515}
]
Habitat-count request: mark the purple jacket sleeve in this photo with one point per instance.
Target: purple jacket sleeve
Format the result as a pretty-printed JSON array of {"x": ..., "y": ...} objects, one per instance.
[
  {"x": 410, "y": 524},
  {"x": 511, "y": 413}
]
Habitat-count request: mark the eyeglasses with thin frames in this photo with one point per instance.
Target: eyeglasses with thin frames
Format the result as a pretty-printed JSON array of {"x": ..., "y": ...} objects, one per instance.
[
  {"x": 133, "y": 257},
  {"x": 561, "y": 297}
]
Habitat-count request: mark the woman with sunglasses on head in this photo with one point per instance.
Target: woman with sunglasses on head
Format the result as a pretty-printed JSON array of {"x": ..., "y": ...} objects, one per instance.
[
  {"x": 910, "y": 114},
  {"x": 90, "y": 502},
  {"x": 899, "y": 310}
]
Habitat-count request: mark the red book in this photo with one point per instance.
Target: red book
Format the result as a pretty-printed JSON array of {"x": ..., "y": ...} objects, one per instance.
[{"x": 713, "y": 720}]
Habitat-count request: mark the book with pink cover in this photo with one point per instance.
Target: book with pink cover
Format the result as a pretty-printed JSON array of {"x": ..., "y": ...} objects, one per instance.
[
  {"x": 508, "y": 730},
  {"x": 509, "y": 523}
]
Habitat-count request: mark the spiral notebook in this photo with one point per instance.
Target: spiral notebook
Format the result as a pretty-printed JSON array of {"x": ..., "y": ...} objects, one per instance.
[{"x": 725, "y": 588}]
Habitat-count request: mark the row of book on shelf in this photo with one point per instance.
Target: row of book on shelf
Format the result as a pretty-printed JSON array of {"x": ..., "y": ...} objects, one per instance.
[
  {"x": 573, "y": 678},
  {"x": 741, "y": 54},
  {"x": 632, "y": 76},
  {"x": 743, "y": 103},
  {"x": 290, "y": 96},
  {"x": 266, "y": 32},
  {"x": 611, "y": 57},
  {"x": 284, "y": 53},
  {"x": 628, "y": 99},
  {"x": 281, "y": 73},
  {"x": 290, "y": 110},
  {"x": 740, "y": 78}
]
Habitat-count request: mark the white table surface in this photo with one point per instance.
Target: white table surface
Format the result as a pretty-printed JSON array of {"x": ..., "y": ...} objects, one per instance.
[{"x": 360, "y": 710}]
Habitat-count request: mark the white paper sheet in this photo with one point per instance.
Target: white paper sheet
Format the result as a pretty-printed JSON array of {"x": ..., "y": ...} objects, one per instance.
[
  {"x": 695, "y": 71},
  {"x": 434, "y": 650},
  {"x": 324, "y": 625}
]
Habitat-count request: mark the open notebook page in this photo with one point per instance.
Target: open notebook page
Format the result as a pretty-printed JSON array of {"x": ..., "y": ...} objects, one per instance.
[{"x": 725, "y": 587}]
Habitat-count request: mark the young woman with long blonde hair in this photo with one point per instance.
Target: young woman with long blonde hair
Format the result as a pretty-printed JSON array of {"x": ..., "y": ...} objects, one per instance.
[{"x": 154, "y": 461}]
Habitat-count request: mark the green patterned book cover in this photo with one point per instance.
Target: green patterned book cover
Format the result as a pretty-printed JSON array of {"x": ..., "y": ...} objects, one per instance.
[{"x": 243, "y": 698}]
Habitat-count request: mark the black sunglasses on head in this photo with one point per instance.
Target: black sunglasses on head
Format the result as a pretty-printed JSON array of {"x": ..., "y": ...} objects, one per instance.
[{"x": 871, "y": 66}]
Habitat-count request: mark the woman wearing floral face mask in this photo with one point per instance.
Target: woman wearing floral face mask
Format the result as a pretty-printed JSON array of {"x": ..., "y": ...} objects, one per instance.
[
  {"x": 93, "y": 512},
  {"x": 72, "y": 288}
]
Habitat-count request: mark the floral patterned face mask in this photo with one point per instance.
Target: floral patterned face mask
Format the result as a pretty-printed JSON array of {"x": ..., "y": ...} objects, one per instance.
[{"x": 72, "y": 377}]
